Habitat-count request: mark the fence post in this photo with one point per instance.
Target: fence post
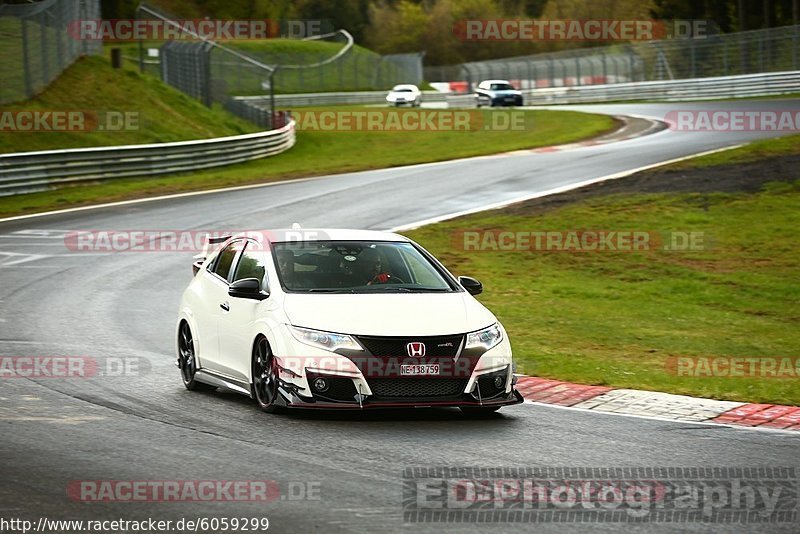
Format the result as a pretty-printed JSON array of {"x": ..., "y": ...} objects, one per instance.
[
  {"x": 207, "y": 96},
  {"x": 59, "y": 44},
  {"x": 43, "y": 44},
  {"x": 725, "y": 57},
  {"x": 82, "y": 16},
  {"x": 26, "y": 59}
]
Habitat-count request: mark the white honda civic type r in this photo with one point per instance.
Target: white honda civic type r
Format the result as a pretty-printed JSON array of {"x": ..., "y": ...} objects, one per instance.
[{"x": 340, "y": 319}]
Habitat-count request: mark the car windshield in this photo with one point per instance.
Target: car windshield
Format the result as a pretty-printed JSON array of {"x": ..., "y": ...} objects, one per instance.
[
  {"x": 402, "y": 90},
  {"x": 502, "y": 87},
  {"x": 357, "y": 267}
]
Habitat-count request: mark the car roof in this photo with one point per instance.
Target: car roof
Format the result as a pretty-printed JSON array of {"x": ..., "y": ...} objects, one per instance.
[
  {"x": 281, "y": 235},
  {"x": 405, "y": 86},
  {"x": 495, "y": 81}
]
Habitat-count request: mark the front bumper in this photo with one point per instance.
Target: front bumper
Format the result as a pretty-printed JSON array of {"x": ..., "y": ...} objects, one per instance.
[
  {"x": 507, "y": 101},
  {"x": 468, "y": 377},
  {"x": 292, "y": 400}
]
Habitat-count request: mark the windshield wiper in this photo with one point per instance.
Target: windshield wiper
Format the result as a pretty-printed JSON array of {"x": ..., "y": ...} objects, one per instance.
[
  {"x": 328, "y": 290},
  {"x": 408, "y": 289}
]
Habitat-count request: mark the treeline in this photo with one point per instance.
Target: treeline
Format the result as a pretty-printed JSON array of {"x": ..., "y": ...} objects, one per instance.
[{"x": 398, "y": 26}]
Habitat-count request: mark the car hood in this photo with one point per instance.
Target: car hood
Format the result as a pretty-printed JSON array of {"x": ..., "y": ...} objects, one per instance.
[
  {"x": 395, "y": 314},
  {"x": 401, "y": 95}
]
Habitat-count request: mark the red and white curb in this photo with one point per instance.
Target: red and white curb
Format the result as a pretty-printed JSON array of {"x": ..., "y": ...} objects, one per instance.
[{"x": 657, "y": 405}]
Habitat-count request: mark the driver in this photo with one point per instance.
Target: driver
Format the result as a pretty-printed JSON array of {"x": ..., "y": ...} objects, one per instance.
[{"x": 370, "y": 267}]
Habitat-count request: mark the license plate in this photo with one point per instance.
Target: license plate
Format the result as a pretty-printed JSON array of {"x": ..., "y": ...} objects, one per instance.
[{"x": 421, "y": 369}]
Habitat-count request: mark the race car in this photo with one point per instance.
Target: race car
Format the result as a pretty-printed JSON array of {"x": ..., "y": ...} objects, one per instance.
[
  {"x": 340, "y": 319},
  {"x": 497, "y": 93}
]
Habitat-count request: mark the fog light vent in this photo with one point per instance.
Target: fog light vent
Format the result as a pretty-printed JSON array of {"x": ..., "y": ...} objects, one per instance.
[{"x": 320, "y": 385}]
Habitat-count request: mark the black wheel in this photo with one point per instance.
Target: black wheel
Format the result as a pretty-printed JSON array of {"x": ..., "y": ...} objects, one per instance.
[
  {"x": 265, "y": 377},
  {"x": 187, "y": 362},
  {"x": 478, "y": 412}
]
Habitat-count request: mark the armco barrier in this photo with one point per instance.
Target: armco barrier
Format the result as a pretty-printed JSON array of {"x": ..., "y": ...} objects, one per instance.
[
  {"x": 27, "y": 172},
  {"x": 359, "y": 97},
  {"x": 748, "y": 85}
]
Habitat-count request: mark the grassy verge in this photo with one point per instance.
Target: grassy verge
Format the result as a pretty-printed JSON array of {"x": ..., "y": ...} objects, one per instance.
[
  {"x": 320, "y": 152},
  {"x": 360, "y": 69},
  {"x": 164, "y": 114},
  {"x": 616, "y": 318}
]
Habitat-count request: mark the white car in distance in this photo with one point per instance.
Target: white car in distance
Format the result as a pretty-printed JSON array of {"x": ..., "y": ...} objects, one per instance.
[{"x": 404, "y": 95}]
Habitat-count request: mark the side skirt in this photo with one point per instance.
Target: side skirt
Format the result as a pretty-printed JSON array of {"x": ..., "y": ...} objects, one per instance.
[{"x": 209, "y": 377}]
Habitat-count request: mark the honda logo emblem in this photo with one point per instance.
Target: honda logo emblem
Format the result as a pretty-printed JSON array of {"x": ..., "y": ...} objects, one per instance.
[{"x": 416, "y": 349}]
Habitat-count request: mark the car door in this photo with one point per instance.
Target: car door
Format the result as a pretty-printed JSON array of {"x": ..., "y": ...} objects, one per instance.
[
  {"x": 213, "y": 294},
  {"x": 237, "y": 332}
]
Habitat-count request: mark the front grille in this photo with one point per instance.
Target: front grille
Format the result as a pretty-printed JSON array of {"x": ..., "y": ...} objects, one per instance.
[
  {"x": 417, "y": 387},
  {"x": 395, "y": 347}
]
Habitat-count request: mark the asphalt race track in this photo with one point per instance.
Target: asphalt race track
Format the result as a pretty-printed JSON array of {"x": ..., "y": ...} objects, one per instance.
[{"x": 113, "y": 306}]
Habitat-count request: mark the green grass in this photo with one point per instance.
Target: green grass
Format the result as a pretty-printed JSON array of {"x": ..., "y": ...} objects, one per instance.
[
  {"x": 614, "y": 318},
  {"x": 757, "y": 150},
  {"x": 319, "y": 153},
  {"x": 165, "y": 114}
]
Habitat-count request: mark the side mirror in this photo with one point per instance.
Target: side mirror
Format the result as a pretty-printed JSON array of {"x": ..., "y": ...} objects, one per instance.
[
  {"x": 473, "y": 286},
  {"x": 197, "y": 264},
  {"x": 247, "y": 288}
]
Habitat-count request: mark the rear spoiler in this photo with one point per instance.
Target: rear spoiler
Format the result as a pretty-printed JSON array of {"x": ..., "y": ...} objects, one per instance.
[{"x": 199, "y": 259}]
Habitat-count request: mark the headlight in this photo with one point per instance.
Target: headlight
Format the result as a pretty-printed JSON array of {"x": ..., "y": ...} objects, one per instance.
[
  {"x": 486, "y": 338},
  {"x": 324, "y": 340}
]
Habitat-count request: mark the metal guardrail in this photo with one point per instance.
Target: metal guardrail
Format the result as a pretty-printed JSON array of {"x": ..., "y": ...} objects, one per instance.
[
  {"x": 356, "y": 97},
  {"x": 748, "y": 85},
  {"x": 27, "y": 172}
]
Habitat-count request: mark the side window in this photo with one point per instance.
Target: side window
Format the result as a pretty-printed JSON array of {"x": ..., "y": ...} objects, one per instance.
[
  {"x": 251, "y": 264},
  {"x": 222, "y": 265}
]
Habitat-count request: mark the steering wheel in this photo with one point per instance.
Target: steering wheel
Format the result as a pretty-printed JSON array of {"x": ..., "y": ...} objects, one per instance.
[{"x": 386, "y": 278}]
